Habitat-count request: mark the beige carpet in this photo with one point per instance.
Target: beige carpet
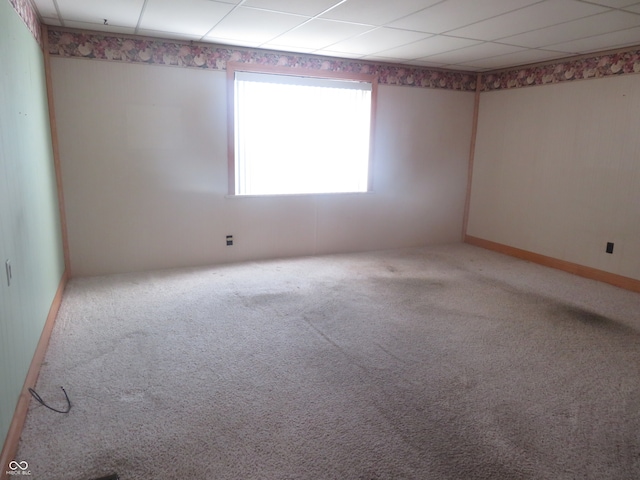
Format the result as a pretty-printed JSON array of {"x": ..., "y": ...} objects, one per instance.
[{"x": 449, "y": 362}]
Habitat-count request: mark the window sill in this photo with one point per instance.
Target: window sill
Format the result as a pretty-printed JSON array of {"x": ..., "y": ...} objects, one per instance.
[{"x": 281, "y": 195}]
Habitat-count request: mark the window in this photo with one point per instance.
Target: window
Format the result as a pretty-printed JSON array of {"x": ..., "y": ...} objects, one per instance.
[{"x": 292, "y": 133}]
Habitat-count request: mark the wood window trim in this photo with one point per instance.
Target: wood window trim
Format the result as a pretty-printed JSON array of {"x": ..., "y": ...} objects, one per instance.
[{"x": 233, "y": 67}]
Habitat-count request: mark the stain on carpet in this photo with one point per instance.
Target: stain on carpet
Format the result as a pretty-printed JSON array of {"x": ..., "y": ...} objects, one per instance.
[
  {"x": 408, "y": 283},
  {"x": 589, "y": 319}
]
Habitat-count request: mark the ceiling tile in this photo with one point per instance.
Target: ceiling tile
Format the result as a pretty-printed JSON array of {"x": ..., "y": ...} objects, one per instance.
[
  {"x": 422, "y": 63},
  {"x": 393, "y": 61},
  {"x": 585, "y": 27},
  {"x": 331, "y": 53},
  {"x": 615, "y": 3},
  {"x": 376, "y": 12},
  {"x": 166, "y": 35},
  {"x": 117, "y": 12},
  {"x": 523, "y": 57},
  {"x": 380, "y": 59},
  {"x": 100, "y": 27},
  {"x": 620, "y": 39},
  {"x": 319, "y": 34},
  {"x": 46, "y": 8},
  {"x": 430, "y": 46},
  {"x": 540, "y": 15},
  {"x": 233, "y": 43},
  {"x": 254, "y": 27},
  {"x": 462, "y": 68},
  {"x": 376, "y": 40},
  {"x": 433, "y": 46},
  {"x": 193, "y": 17},
  {"x": 51, "y": 21},
  {"x": 307, "y": 7},
  {"x": 288, "y": 48},
  {"x": 474, "y": 52},
  {"x": 454, "y": 14}
]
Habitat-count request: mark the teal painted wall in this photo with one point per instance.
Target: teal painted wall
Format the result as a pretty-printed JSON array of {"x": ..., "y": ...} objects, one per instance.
[{"x": 30, "y": 233}]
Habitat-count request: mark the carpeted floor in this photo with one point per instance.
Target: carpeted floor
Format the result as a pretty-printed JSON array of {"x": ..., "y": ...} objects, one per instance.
[{"x": 448, "y": 362}]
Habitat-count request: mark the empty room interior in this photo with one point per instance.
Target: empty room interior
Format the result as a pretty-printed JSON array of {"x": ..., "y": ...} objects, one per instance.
[{"x": 320, "y": 239}]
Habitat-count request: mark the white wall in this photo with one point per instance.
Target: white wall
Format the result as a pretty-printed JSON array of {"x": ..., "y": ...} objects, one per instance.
[
  {"x": 557, "y": 171},
  {"x": 144, "y": 165}
]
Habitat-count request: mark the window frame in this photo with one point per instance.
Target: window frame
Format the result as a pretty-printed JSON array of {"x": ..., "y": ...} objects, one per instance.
[{"x": 233, "y": 67}]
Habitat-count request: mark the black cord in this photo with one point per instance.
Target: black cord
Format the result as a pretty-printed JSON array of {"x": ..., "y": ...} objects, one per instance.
[{"x": 39, "y": 399}]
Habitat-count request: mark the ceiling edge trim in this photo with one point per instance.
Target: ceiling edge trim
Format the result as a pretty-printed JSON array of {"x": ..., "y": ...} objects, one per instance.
[
  {"x": 619, "y": 62},
  {"x": 29, "y": 16},
  {"x": 66, "y": 42}
]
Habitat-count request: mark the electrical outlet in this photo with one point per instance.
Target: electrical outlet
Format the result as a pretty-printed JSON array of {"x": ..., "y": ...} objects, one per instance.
[
  {"x": 609, "y": 247},
  {"x": 229, "y": 240}
]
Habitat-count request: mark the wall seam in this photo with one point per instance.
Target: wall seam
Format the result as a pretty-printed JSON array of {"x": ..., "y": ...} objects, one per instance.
[
  {"x": 56, "y": 151},
  {"x": 472, "y": 153}
]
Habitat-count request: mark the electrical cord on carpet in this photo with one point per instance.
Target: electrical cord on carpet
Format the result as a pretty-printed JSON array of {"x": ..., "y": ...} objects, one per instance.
[{"x": 38, "y": 398}]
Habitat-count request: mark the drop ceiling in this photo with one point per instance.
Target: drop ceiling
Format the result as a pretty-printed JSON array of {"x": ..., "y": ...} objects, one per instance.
[{"x": 471, "y": 35}]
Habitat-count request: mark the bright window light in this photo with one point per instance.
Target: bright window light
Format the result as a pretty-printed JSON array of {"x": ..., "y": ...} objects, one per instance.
[{"x": 299, "y": 135}]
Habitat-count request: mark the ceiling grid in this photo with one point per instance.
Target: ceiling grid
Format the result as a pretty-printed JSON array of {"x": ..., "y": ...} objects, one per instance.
[{"x": 464, "y": 35}]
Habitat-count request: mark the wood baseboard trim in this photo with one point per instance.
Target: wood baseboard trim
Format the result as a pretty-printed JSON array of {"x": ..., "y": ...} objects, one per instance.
[
  {"x": 20, "y": 414},
  {"x": 574, "y": 268}
]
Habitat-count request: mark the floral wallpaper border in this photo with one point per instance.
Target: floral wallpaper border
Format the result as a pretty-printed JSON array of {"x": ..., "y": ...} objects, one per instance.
[
  {"x": 25, "y": 9},
  {"x": 617, "y": 63},
  {"x": 71, "y": 43}
]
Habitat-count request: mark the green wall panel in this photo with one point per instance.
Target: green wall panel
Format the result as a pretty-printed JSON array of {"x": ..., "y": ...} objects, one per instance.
[{"x": 30, "y": 235}]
